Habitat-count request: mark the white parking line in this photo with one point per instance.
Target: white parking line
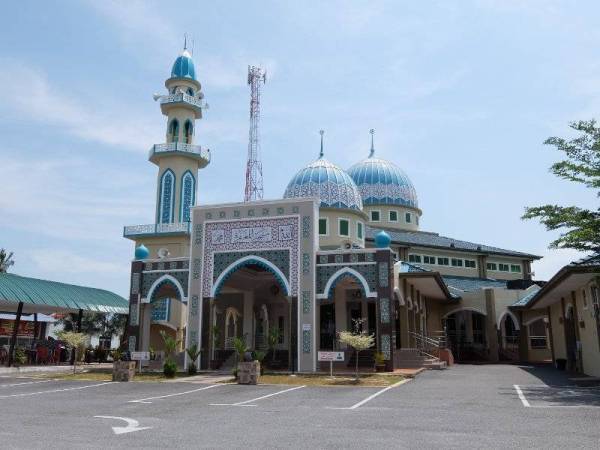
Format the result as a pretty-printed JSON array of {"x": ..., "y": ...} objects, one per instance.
[
  {"x": 28, "y": 394},
  {"x": 25, "y": 382},
  {"x": 247, "y": 402},
  {"x": 376, "y": 394},
  {"x": 521, "y": 396},
  {"x": 146, "y": 400}
]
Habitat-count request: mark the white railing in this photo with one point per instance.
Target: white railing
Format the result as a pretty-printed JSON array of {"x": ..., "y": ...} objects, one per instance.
[
  {"x": 181, "y": 97},
  {"x": 156, "y": 228},
  {"x": 182, "y": 147}
]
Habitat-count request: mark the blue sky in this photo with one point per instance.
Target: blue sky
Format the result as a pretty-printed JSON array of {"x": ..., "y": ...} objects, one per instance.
[{"x": 461, "y": 94}]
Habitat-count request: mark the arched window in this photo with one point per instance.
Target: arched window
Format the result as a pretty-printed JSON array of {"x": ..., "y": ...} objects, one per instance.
[
  {"x": 188, "y": 196},
  {"x": 166, "y": 197},
  {"x": 174, "y": 130},
  {"x": 189, "y": 131},
  {"x": 190, "y": 91}
]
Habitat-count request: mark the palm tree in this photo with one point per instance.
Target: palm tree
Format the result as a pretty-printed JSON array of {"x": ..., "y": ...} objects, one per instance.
[{"x": 5, "y": 260}]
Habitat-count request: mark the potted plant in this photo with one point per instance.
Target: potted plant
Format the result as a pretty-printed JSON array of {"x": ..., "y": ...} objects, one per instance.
[
  {"x": 248, "y": 369},
  {"x": 379, "y": 362},
  {"x": 259, "y": 356},
  {"x": 193, "y": 354}
]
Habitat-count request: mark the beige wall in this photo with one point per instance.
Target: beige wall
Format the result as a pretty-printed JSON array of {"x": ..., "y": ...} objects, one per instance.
[
  {"x": 333, "y": 240},
  {"x": 178, "y": 246},
  {"x": 401, "y": 223},
  {"x": 588, "y": 333},
  {"x": 558, "y": 331}
]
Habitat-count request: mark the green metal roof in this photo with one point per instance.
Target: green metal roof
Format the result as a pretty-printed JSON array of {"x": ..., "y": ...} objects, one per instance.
[{"x": 33, "y": 291}]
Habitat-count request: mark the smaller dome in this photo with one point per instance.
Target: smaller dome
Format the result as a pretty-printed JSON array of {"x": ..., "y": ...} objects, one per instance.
[
  {"x": 141, "y": 252},
  {"x": 183, "y": 67},
  {"x": 382, "y": 240}
]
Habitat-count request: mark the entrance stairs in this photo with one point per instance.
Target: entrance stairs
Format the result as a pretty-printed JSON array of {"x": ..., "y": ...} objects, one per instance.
[{"x": 413, "y": 358}]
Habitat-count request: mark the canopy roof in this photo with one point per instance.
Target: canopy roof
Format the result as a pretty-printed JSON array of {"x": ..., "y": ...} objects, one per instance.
[{"x": 50, "y": 296}]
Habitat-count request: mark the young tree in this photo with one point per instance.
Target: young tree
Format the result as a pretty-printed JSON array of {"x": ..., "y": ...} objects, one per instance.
[
  {"x": 6, "y": 260},
  {"x": 581, "y": 166},
  {"x": 357, "y": 339},
  {"x": 73, "y": 340}
]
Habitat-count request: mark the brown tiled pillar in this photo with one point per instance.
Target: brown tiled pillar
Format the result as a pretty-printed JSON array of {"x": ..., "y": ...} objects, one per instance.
[
  {"x": 133, "y": 330},
  {"x": 384, "y": 307}
]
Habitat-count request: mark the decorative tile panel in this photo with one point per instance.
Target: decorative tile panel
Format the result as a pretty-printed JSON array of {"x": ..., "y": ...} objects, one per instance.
[
  {"x": 339, "y": 259},
  {"x": 160, "y": 309},
  {"x": 265, "y": 211},
  {"x": 197, "y": 268},
  {"x": 150, "y": 278},
  {"x": 198, "y": 234},
  {"x": 135, "y": 283},
  {"x": 295, "y": 210},
  {"x": 384, "y": 274},
  {"x": 208, "y": 215},
  {"x": 323, "y": 259},
  {"x": 236, "y": 213},
  {"x": 306, "y": 227},
  {"x": 306, "y": 302},
  {"x": 131, "y": 343},
  {"x": 306, "y": 341},
  {"x": 222, "y": 214},
  {"x": 250, "y": 213},
  {"x": 386, "y": 346},
  {"x": 134, "y": 319},
  {"x": 280, "y": 210},
  {"x": 353, "y": 257},
  {"x": 368, "y": 271},
  {"x": 305, "y": 263},
  {"x": 194, "y": 306},
  {"x": 279, "y": 258},
  {"x": 384, "y": 309}
]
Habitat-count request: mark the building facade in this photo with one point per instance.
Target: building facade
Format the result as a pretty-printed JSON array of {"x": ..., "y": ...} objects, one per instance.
[{"x": 340, "y": 250}]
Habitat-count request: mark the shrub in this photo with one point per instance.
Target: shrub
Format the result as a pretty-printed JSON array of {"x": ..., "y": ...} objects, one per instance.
[
  {"x": 193, "y": 353},
  {"x": 20, "y": 356},
  {"x": 170, "y": 368},
  {"x": 379, "y": 358},
  {"x": 100, "y": 354}
]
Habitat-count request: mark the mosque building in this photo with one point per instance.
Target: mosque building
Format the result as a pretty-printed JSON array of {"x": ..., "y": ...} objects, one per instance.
[{"x": 341, "y": 249}]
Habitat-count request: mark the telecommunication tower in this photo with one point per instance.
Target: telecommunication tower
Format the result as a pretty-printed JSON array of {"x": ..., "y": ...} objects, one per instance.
[{"x": 254, "y": 176}]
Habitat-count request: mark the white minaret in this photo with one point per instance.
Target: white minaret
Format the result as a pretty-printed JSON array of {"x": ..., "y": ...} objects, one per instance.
[{"x": 179, "y": 158}]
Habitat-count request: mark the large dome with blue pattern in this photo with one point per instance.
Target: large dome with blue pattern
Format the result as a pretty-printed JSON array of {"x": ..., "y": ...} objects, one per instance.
[
  {"x": 325, "y": 180},
  {"x": 183, "y": 67},
  {"x": 381, "y": 182}
]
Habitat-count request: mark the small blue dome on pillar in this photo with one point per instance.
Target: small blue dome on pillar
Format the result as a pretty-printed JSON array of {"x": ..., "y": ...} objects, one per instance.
[
  {"x": 382, "y": 240},
  {"x": 141, "y": 252}
]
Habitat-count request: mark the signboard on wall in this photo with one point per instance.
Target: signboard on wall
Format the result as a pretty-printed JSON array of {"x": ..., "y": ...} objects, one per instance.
[{"x": 7, "y": 326}]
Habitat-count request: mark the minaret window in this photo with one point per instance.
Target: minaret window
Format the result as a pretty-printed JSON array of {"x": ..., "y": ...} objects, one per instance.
[
  {"x": 174, "y": 130},
  {"x": 189, "y": 131},
  {"x": 188, "y": 196},
  {"x": 167, "y": 197},
  {"x": 190, "y": 91}
]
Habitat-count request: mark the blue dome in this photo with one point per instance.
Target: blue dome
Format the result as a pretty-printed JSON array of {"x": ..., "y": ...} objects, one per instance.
[
  {"x": 142, "y": 252},
  {"x": 183, "y": 67},
  {"x": 381, "y": 182},
  {"x": 382, "y": 240},
  {"x": 325, "y": 180}
]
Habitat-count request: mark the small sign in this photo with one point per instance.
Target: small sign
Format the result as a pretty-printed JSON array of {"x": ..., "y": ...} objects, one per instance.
[
  {"x": 331, "y": 356},
  {"x": 140, "y": 356}
]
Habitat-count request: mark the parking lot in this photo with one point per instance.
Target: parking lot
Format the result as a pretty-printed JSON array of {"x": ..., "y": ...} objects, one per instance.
[{"x": 491, "y": 406}]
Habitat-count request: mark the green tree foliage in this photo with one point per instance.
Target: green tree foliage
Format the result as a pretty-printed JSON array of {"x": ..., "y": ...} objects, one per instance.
[
  {"x": 357, "y": 339},
  {"x": 6, "y": 260},
  {"x": 96, "y": 323},
  {"x": 582, "y": 165}
]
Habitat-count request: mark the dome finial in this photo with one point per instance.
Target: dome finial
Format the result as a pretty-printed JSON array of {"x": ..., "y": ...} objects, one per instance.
[
  {"x": 185, "y": 41},
  {"x": 321, "y": 132},
  {"x": 372, "y": 131}
]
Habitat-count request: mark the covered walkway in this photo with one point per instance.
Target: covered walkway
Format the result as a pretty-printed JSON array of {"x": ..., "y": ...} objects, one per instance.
[{"x": 20, "y": 296}]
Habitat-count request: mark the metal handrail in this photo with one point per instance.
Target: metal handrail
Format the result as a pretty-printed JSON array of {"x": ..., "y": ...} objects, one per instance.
[{"x": 428, "y": 345}]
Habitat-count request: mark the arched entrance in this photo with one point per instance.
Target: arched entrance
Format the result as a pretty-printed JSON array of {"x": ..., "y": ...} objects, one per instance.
[
  {"x": 251, "y": 302},
  {"x": 571, "y": 338},
  {"x": 466, "y": 333},
  {"x": 509, "y": 337}
]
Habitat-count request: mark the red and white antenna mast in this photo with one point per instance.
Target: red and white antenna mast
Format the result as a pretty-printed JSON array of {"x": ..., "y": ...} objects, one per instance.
[{"x": 254, "y": 176}]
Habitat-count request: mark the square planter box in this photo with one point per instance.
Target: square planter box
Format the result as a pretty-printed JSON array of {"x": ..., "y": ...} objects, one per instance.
[
  {"x": 123, "y": 370},
  {"x": 248, "y": 372}
]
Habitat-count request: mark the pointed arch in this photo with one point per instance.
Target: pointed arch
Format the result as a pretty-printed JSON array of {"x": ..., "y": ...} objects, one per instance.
[
  {"x": 188, "y": 131},
  {"x": 174, "y": 130},
  {"x": 166, "y": 197},
  {"x": 247, "y": 261},
  {"x": 463, "y": 308},
  {"x": 187, "y": 196},
  {"x": 510, "y": 314},
  {"x": 342, "y": 273},
  {"x": 166, "y": 279}
]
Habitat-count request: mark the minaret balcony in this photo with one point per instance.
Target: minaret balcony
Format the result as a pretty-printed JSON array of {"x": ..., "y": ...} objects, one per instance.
[
  {"x": 202, "y": 155},
  {"x": 156, "y": 229},
  {"x": 182, "y": 99}
]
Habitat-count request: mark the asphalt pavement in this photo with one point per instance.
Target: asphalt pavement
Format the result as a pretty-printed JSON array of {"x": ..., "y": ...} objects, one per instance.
[{"x": 486, "y": 406}]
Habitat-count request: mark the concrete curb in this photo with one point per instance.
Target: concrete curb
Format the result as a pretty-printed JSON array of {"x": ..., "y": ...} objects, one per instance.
[{"x": 35, "y": 369}]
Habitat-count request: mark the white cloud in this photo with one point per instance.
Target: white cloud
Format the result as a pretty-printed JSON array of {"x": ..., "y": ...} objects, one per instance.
[
  {"x": 32, "y": 97},
  {"x": 58, "y": 261},
  {"x": 553, "y": 261}
]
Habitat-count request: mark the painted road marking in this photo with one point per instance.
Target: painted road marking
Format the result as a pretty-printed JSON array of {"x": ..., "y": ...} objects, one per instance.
[
  {"x": 24, "y": 383},
  {"x": 521, "y": 396},
  {"x": 376, "y": 394},
  {"x": 564, "y": 391},
  {"x": 132, "y": 425},
  {"x": 247, "y": 402},
  {"x": 56, "y": 390},
  {"x": 147, "y": 400}
]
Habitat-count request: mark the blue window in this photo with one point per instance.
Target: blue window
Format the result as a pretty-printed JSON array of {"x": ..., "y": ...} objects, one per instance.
[
  {"x": 160, "y": 309},
  {"x": 167, "y": 197},
  {"x": 174, "y": 130},
  {"x": 188, "y": 196},
  {"x": 189, "y": 131}
]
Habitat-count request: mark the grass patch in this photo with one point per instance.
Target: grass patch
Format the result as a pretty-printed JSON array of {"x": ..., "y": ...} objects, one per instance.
[
  {"x": 375, "y": 380},
  {"x": 105, "y": 375}
]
